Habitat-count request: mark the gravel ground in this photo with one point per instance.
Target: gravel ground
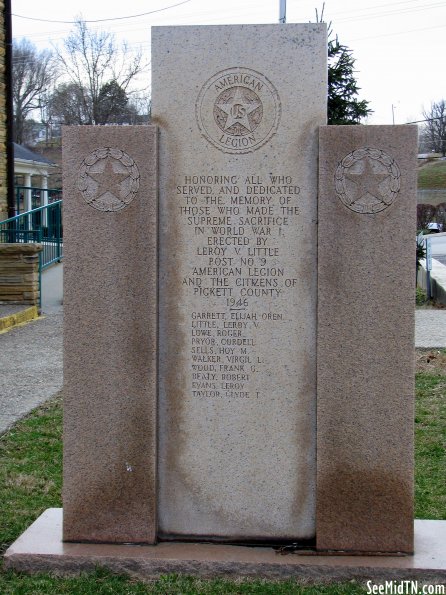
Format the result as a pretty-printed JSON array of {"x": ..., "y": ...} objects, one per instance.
[
  {"x": 31, "y": 354},
  {"x": 430, "y": 328},
  {"x": 7, "y": 310},
  {"x": 30, "y": 366}
]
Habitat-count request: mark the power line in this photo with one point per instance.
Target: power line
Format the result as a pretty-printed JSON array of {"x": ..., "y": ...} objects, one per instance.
[
  {"x": 383, "y": 14},
  {"x": 428, "y": 120},
  {"x": 361, "y": 17},
  {"x": 374, "y": 7},
  {"x": 133, "y": 16},
  {"x": 398, "y": 33}
]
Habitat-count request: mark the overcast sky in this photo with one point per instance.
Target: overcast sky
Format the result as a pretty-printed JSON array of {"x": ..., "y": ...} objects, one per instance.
[{"x": 399, "y": 45}]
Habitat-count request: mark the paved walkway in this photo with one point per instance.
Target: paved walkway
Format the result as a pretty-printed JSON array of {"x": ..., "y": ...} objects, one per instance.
[
  {"x": 52, "y": 289},
  {"x": 31, "y": 355},
  {"x": 430, "y": 328}
]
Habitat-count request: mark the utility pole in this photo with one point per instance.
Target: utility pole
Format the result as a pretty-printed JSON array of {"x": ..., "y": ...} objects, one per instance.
[{"x": 282, "y": 11}]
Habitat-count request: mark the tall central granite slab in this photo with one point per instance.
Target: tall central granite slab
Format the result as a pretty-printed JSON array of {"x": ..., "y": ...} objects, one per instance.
[{"x": 238, "y": 109}]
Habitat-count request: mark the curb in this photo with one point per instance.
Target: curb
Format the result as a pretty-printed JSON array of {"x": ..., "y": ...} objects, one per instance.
[
  {"x": 19, "y": 318},
  {"x": 437, "y": 279}
]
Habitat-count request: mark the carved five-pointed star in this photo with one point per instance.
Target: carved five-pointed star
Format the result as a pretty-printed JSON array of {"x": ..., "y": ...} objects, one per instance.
[
  {"x": 108, "y": 179},
  {"x": 238, "y": 110},
  {"x": 367, "y": 181}
]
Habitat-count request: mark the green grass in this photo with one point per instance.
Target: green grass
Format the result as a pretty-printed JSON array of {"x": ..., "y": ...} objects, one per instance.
[
  {"x": 103, "y": 582},
  {"x": 430, "y": 447},
  {"x": 432, "y": 175},
  {"x": 30, "y": 470},
  {"x": 30, "y": 482}
]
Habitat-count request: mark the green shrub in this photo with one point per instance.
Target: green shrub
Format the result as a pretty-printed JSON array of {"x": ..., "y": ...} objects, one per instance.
[{"x": 420, "y": 296}]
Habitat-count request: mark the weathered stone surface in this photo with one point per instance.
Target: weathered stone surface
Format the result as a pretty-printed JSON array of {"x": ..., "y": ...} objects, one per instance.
[
  {"x": 40, "y": 549},
  {"x": 7, "y": 288},
  {"x": 366, "y": 239},
  {"x": 20, "y": 249},
  {"x": 238, "y": 108},
  {"x": 110, "y": 310},
  {"x": 19, "y": 316},
  {"x": 19, "y": 268},
  {"x": 15, "y": 262}
]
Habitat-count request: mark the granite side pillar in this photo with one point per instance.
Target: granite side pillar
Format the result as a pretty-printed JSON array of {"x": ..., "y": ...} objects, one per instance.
[
  {"x": 366, "y": 279},
  {"x": 110, "y": 309}
]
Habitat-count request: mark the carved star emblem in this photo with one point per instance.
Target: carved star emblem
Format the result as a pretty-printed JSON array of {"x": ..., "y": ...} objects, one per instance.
[
  {"x": 238, "y": 109},
  {"x": 108, "y": 179},
  {"x": 367, "y": 181}
]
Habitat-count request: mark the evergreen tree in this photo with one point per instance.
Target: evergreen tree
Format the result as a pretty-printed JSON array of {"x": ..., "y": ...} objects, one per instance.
[
  {"x": 343, "y": 107},
  {"x": 112, "y": 104}
]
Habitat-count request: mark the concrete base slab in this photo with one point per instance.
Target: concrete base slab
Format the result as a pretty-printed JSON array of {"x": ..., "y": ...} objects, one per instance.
[{"x": 40, "y": 549}]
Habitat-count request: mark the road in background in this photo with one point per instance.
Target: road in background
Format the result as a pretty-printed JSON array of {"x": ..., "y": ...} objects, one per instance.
[{"x": 438, "y": 244}]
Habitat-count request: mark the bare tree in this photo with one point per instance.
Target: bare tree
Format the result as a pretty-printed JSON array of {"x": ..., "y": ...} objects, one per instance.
[
  {"x": 69, "y": 104},
  {"x": 141, "y": 106},
  {"x": 32, "y": 74},
  {"x": 434, "y": 132},
  {"x": 92, "y": 60}
]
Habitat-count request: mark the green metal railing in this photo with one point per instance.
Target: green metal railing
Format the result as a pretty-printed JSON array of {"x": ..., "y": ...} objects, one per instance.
[
  {"x": 42, "y": 225},
  {"x": 28, "y": 196}
]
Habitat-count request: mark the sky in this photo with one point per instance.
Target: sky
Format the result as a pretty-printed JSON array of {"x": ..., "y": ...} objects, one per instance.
[{"x": 399, "y": 45}]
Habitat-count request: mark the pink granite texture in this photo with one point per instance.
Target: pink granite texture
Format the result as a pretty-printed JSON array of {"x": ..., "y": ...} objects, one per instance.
[
  {"x": 110, "y": 308},
  {"x": 366, "y": 252},
  {"x": 41, "y": 549}
]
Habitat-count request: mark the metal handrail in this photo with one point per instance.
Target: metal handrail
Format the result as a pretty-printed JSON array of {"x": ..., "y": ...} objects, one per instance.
[
  {"x": 42, "y": 225},
  {"x": 33, "y": 200},
  {"x": 30, "y": 212}
]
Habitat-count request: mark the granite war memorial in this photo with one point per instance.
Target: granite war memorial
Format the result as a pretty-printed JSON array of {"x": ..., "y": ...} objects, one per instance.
[{"x": 235, "y": 300}]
